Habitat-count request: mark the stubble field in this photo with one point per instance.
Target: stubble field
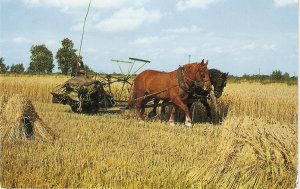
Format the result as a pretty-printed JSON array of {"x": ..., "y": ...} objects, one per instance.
[{"x": 254, "y": 147}]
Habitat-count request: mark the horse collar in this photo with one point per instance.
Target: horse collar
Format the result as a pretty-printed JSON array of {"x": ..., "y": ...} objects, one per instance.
[{"x": 181, "y": 81}]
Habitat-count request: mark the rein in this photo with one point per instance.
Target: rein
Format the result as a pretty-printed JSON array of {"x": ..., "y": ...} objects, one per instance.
[
  {"x": 158, "y": 92},
  {"x": 189, "y": 87}
]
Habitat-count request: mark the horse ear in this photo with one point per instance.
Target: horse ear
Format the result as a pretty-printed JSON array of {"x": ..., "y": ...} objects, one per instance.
[
  {"x": 202, "y": 62},
  {"x": 206, "y": 62},
  {"x": 225, "y": 74}
]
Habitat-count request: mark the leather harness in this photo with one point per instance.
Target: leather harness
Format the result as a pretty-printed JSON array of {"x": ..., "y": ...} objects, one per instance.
[
  {"x": 182, "y": 84},
  {"x": 188, "y": 88}
]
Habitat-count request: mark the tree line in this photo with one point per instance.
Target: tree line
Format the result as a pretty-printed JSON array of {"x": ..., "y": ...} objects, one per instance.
[
  {"x": 41, "y": 60},
  {"x": 276, "y": 76}
]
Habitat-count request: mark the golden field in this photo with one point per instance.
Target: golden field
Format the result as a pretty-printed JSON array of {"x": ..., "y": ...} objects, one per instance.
[{"x": 254, "y": 147}]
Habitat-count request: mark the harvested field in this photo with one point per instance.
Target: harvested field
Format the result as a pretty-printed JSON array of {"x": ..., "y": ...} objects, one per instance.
[{"x": 254, "y": 147}]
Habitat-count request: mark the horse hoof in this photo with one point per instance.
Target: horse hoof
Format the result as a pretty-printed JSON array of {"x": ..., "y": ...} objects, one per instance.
[
  {"x": 141, "y": 122},
  {"x": 172, "y": 123},
  {"x": 188, "y": 124}
]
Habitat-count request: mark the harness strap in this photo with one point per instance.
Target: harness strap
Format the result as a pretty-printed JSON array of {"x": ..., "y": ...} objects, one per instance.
[
  {"x": 152, "y": 94},
  {"x": 182, "y": 84}
]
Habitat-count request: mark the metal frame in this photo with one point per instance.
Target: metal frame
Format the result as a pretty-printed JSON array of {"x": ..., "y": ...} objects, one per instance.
[
  {"x": 129, "y": 73},
  {"x": 131, "y": 61}
]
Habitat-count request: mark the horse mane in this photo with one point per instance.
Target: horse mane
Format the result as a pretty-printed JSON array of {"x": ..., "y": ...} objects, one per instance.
[{"x": 192, "y": 66}]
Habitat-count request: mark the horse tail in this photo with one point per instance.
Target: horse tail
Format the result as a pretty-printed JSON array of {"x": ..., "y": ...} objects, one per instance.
[{"x": 132, "y": 97}]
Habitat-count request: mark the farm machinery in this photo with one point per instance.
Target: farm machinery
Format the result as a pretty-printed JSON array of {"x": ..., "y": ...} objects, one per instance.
[
  {"x": 91, "y": 95},
  {"x": 83, "y": 94}
]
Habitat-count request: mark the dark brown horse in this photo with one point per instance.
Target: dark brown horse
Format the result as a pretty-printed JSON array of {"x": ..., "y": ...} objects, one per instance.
[{"x": 172, "y": 86}]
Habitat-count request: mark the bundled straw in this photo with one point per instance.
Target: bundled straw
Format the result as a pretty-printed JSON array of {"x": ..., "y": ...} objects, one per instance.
[
  {"x": 20, "y": 120},
  {"x": 251, "y": 153}
]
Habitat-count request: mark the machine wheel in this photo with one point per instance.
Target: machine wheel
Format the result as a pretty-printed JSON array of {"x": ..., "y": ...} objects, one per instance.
[
  {"x": 198, "y": 112},
  {"x": 74, "y": 107}
]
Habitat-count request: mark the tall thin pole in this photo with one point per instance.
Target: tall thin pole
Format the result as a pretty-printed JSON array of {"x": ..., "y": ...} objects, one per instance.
[
  {"x": 189, "y": 58},
  {"x": 84, "y": 26}
]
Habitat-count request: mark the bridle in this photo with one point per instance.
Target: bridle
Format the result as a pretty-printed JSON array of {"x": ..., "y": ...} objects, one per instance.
[
  {"x": 193, "y": 83},
  {"x": 220, "y": 83}
]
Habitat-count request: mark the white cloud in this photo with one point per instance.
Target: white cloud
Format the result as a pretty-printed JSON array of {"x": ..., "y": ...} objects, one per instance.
[
  {"x": 92, "y": 20},
  {"x": 31, "y": 3},
  {"x": 145, "y": 40},
  {"x": 128, "y": 19},
  {"x": 20, "y": 39},
  {"x": 183, "y": 5},
  {"x": 282, "y": 3},
  {"x": 152, "y": 39},
  {"x": 191, "y": 29},
  {"x": 53, "y": 43},
  {"x": 83, "y": 3},
  {"x": 124, "y": 19},
  {"x": 77, "y": 27},
  {"x": 249, "y": 46}
]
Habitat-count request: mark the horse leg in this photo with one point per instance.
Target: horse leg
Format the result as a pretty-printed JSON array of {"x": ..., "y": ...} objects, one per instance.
[
  {"x": 173, "y": 112},
  {"x": 153, "y": 112},
  {"x": 180, "y": 104},
  {"x": 208, "y": 110},
  {"x": 163, "y": 115},
  {"x": 140, "y": 107},
  {"x": 163, "y": 107}
]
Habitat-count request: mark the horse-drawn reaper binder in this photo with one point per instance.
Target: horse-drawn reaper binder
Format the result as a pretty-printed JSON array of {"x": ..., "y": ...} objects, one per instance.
[
  {"x": 87, "y": 95},
  {"x": 91, "y": 95}
]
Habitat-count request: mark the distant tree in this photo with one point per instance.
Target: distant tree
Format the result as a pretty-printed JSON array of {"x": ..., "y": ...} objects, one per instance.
[
  {"x": 286, "y": 76},
  {"x": 3, "y": 67},
  {"x": 276, "y": 75},
  {"x": 18, "y": 68},
  {"x": 41, "y": 60},
  {"x": 66, "y": 56}
]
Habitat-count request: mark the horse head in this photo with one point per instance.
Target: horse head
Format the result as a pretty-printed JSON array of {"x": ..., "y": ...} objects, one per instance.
[
  {"x": 198, "y": 76},
  {"x": 203, "y": 75},
  {"x": 218, "y": 80}
]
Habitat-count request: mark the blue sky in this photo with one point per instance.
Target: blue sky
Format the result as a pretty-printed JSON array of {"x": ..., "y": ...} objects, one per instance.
[{"x": 236, "y": 36}]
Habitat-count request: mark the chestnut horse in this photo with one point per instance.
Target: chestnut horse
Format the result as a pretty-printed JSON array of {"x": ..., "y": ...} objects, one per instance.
[
  {"x": 218, "y": 81},
  {"x": 172, "y": 86}
]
